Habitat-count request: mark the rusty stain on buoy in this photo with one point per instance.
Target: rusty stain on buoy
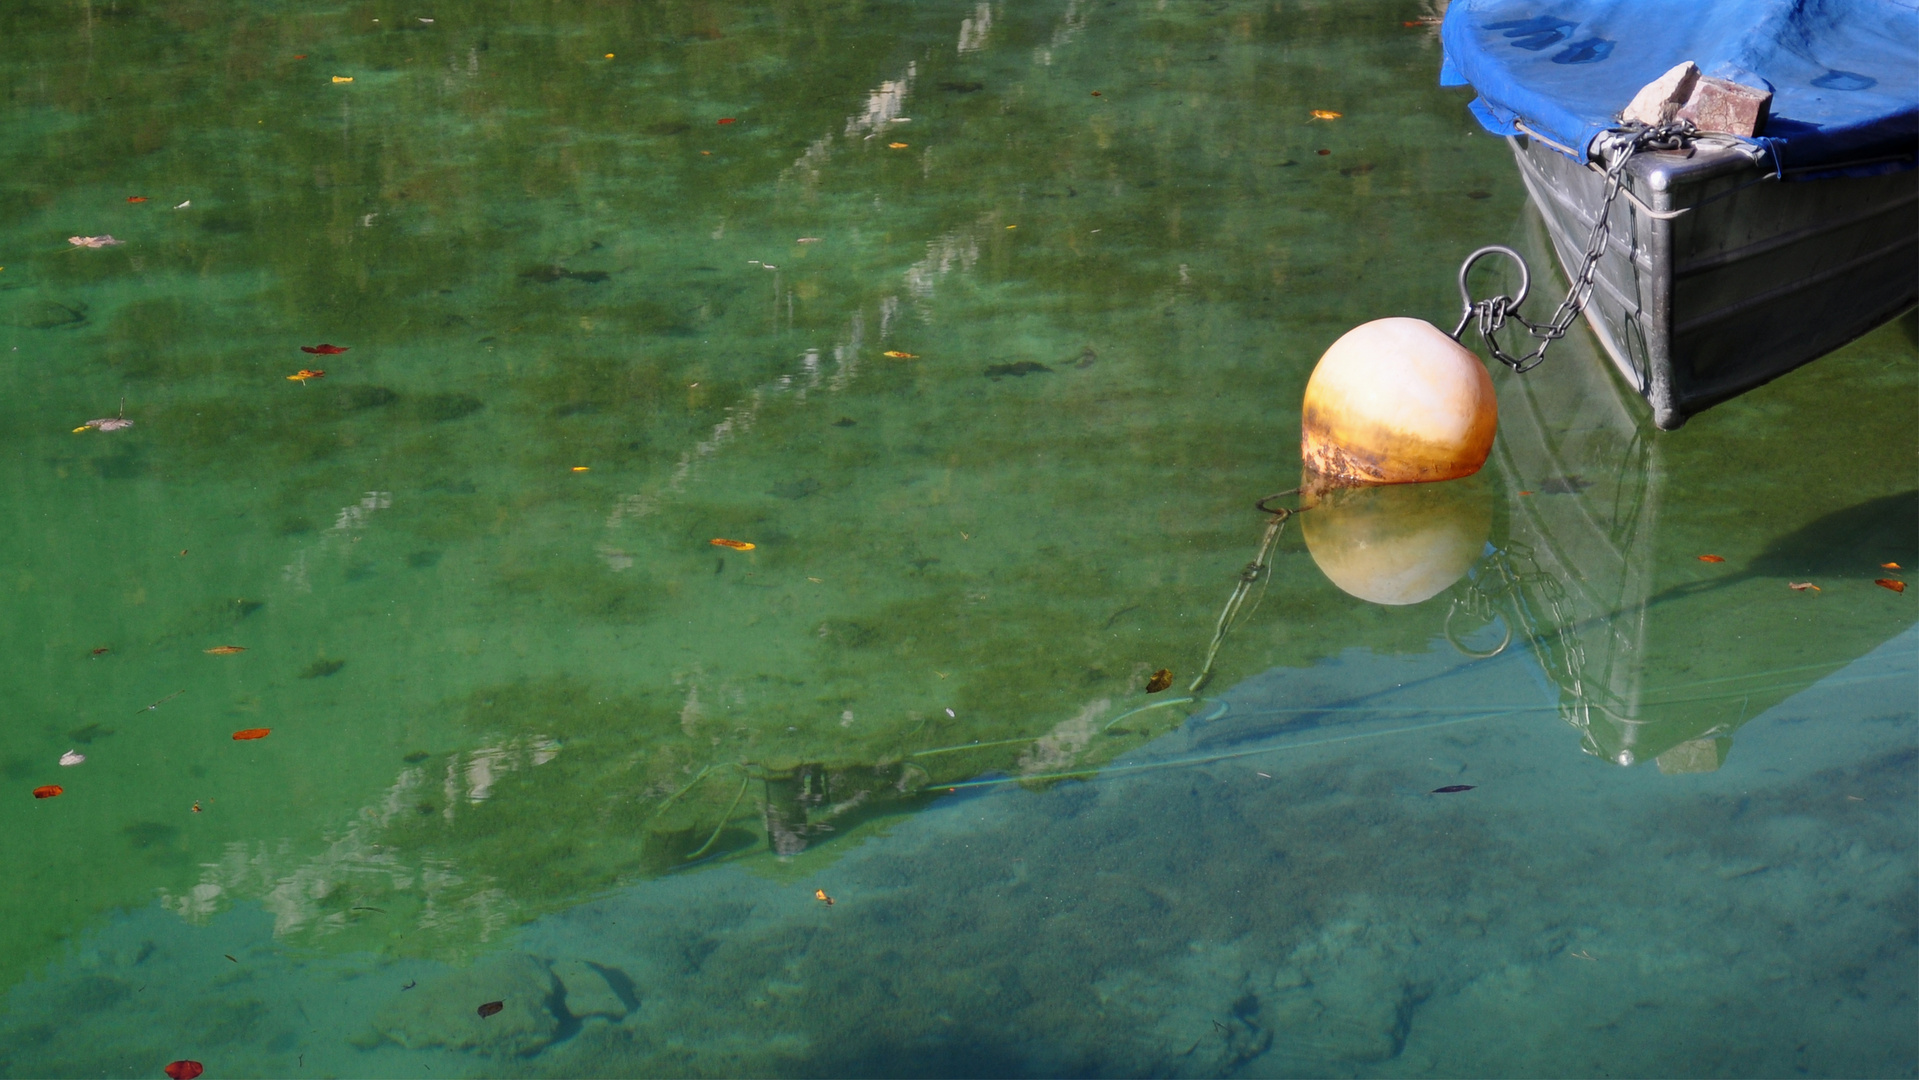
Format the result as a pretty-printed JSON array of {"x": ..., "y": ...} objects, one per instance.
[{"x": 1396, "y": 401}]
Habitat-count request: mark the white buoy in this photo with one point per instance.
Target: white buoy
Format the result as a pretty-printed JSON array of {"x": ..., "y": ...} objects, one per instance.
[{"x": 1396, "y": 401}]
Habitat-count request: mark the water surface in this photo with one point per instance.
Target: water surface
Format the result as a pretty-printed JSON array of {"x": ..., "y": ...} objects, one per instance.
[{"x": 985, "y": 325}]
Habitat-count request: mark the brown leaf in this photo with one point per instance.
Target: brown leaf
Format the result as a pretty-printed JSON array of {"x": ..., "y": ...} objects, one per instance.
[
  {"x": 1888, "y": 583},
  {"x": 1161, "y": 679}
]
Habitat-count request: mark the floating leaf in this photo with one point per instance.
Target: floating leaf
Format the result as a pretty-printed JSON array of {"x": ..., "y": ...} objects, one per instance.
[
  {"x": 807, "y": 240},
  {"x": 136, "y": 198},
  {"x": 1451, "y": 789},
  {"x": 898, "y": 355},
  {"x": 1326, "y": 114},
  {"x": 897, "y": 145},
  {"x": 1712, "y": 558},
  {"x": 72, "y": 757},
  {"x": 1889, "y": 566},
  {"x": 820, "y": 895},
  {"x": 490, "y": 1008},
  {"x": 303, "y": 375},
  {"x": 728, "y": 120},
  {"x": 185, "y": 1070},
  {"x": 108, "y": 423},
  {"x": 1161, "y": 679},
  {"x": 1801, "y": 586},
  {"x": 736, "y": 545},
  {"x": 93, "y": 241},
  {"x": 226, "y": 650},
  {"x": 252, "y": 733},
  {"x": 342, "y": 78},
  {"x": 324, "y": 349},
  {"x": 1888, "y": 583},
  {"x": 1322, "y": 153},
  {"x": 47, "y": 791},
  {"x": 582, "y": 468}
]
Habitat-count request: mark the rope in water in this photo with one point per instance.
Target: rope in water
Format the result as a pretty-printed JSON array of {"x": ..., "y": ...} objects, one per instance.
[
  {"x": 1251, "y": 573},
  {"x": 1619, "y": 145}
]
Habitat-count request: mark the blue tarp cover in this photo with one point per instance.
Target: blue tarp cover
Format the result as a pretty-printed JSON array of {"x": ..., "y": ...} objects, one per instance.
[{"x": 1844, "y": 74}]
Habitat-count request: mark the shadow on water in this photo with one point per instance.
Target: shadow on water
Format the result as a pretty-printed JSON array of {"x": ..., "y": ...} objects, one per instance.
[{"x": 1850, "y": 543}]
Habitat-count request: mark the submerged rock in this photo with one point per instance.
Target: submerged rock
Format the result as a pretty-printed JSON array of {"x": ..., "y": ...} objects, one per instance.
[
  {"x": 591, "y": 990},
  {"x": 444, "y": 1011}
]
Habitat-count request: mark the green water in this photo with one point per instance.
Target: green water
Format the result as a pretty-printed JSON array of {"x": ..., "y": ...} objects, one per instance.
[{"x": 533, "y": 738}]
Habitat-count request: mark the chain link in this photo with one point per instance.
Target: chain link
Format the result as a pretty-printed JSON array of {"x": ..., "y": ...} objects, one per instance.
[{"x": 1619, "y": 144}]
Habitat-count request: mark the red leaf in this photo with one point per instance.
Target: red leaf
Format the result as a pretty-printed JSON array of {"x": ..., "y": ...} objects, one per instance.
[
  {"x": 728, "y": 120},
  {"x": 136, "y": 198},
  {"x": 491, "y": 1007},
  {"x": 1888, "y": 583},
  {"x": 252, "y": 733},
  {"x": 185, "y": 1070},
  {"x": 1711, "y": 558},
  {"x": 47, "y": 792},
  {"x": 324, "y": 350}
]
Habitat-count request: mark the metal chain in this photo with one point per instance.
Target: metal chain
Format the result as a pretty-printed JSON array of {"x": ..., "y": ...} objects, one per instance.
[{"x": 1620, "y": 144}]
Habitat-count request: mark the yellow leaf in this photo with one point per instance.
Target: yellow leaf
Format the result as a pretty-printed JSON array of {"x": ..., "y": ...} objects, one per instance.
[
  {"x": 1326, "y": 114},
  {"x": 342, "y": 78}
]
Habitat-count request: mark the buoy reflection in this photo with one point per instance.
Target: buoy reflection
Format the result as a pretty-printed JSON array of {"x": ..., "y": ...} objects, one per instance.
[{"x": 1401, "y": 543}]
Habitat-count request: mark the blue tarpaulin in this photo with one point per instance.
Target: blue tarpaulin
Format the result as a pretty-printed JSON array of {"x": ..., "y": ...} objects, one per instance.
[{"x": 1844, "y": 74}]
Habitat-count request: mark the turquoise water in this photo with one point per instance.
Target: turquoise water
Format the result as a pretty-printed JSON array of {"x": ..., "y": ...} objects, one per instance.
[{"x": 535, "y": 740}]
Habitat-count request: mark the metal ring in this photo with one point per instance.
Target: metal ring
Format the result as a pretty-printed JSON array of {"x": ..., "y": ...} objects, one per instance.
[
  {"x": 1476, "y": 654},
  {"x": 1525, "y": 275}
]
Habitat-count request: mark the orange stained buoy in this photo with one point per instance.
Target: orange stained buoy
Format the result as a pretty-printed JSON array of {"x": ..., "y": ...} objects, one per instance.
[{"x": 1396, "y": 401}]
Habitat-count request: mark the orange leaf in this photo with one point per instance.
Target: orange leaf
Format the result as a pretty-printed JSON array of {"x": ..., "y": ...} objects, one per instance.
[
  {"x": 136, "y": 198},
  {"x": 820, "y": 895},
  {"x": 1801, "y": 586},
  {"x": 47, "y": 792},
  {"x": 252, "y": 733},
  {"x": 305, "y": 374},
  {"x": 1889, "y": 566},
  {"x": 896, "y": 146},
  {"x": 1888, "y": 583},
  {"x": 226, "y": 650},
  {"x": 1711, "y": 558},
  {"x": 736, "y": 545},
  {"x": 728, "y": 120},
  {"x": 1326, "y": 114}
]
